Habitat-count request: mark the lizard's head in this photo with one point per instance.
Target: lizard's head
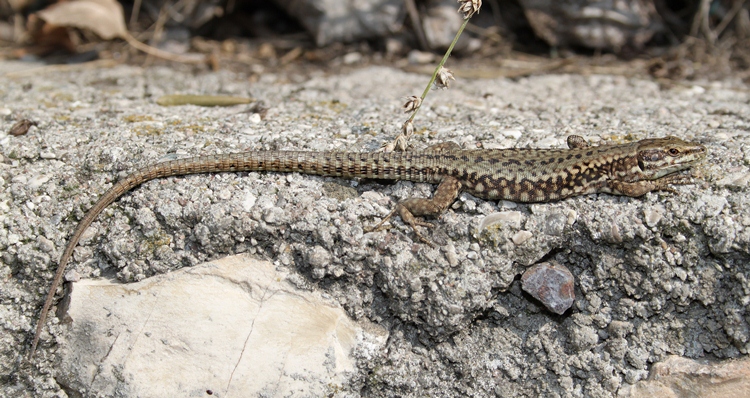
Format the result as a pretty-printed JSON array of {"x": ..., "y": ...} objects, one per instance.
[{"x": 658, "y": 157}]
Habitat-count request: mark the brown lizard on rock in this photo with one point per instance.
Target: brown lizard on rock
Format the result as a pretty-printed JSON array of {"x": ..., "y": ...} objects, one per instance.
[{"x": 521, "y": 175}]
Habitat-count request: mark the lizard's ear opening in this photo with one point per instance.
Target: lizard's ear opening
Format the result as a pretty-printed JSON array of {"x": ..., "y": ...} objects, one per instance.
[{"x": 640, "y": 164}]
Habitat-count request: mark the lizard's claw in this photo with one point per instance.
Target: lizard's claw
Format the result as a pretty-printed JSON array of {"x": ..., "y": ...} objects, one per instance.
[{"x": 408, "y": 218}]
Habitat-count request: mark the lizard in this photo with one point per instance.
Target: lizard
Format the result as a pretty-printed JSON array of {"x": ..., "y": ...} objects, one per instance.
[{"x": 516, "y": 174}]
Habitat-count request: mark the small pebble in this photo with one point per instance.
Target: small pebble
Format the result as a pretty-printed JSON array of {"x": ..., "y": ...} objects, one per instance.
[
  {"x": 572, "y": 216},
  {"x": 37, "y": 181},
  {"x": 352, "y": 58},
  {"x": 450, "y": 255},
  {"x": 255, "y": 118},
  {"x": 248, "y": 201},
  {"x": 512, "y": 133},
  {"x": 318, "y": 257},
  {"x": 521, "y": 236},
  {"x": 45, "y": 244},
  {"x": 224, "y": 194},
  {"x": 273, "y": 215},
  {"x": 13, "y": 239},
  {"x": 506, "y": 204},
  {"x": 552, "y": 284},
  {"x": 615, "y": 233},
  {"x": 653, "y": 216},
  {"x": 419, "y": 57},
  {"x": 72, "y": 276},
  {"x": 511, "y": 218}
]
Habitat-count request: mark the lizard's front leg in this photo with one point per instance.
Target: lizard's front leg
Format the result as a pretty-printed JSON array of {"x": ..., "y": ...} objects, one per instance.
[
  {"x": 642, "y": 187},
  {"x": 445, "y": 194}
]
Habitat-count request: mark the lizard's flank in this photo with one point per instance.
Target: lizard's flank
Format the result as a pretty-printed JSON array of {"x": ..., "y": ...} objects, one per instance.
[{"x": 522, "y": 175}]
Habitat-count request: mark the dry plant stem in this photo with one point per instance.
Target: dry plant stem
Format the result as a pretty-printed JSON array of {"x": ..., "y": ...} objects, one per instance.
[
  {"x": 134, "y": 14},
  {"x": 160, "y": 53},
  {"x": 700, "y": 22},
  {"x": 736, "y": 7},
  {"x": 411, "y": 9},
  {"x": 440, "y": 66},
  {"x": 401, "y": 140}
]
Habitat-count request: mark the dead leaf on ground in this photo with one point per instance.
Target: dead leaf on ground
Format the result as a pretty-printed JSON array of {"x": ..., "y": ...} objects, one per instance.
[{"x": 103, "y": 17}]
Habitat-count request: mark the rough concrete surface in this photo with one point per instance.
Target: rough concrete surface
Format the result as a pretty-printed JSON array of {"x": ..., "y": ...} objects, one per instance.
[{"x": 656, "y": 276}]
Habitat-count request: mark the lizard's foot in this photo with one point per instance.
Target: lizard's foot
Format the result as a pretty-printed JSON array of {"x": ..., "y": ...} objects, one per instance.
[
  {"x": 444, "y": 195},
  {"x": 408, "y": 218},
  {"x": 665, "y": 183},
  {"x": 641, "y": 187},
  {"x": 379, "y": 227}
]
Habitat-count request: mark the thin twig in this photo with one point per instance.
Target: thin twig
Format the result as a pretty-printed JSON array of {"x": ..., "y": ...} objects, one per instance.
[
  {"x": 700, "y": 19},
  {"x": 134, "y": 14},
  {"x": 161, "y": 53},
  {"x": 736, "y": 7},
  {"x": 411, "y": 9},
  {"x": 439, "y": 67}
]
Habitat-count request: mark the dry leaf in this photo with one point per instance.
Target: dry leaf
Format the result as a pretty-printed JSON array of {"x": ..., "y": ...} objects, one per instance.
[
  {"x": 19, "y": 5},
  {"x": 103, "y": 17}
]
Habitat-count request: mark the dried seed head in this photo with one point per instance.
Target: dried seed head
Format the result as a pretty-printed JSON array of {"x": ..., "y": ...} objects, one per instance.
[
  {"x": 469, "y": 7},
  {"x": 443, "y": 78},
  {"x": 412, "y": 103},
  {"x": 401, "y": 143},
  {"x": 387, "y": 147},
  {"x": 408, "y": 129}
]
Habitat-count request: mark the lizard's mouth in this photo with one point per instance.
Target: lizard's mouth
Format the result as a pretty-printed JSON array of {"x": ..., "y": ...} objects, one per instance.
[{"x": 657, "y": 163}]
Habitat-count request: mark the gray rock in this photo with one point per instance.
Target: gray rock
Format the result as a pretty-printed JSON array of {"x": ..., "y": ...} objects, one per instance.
[
  {"x": 594, "y": 24},
  {"x": 552, "y": 284},
  {"x": 330, "y": 21}
]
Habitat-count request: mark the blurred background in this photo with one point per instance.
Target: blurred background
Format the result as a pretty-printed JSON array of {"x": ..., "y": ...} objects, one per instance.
[{"x": 669, "y": 39}]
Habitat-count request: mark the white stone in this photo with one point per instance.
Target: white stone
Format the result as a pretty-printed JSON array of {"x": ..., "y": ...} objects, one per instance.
[
  {"x": 653, "y": 215},
  {"x": 234, "y": 326},
  {"x": 37, "y": 181},
  {"x": 352, "y": 58},
  {"x": 255, "y": 118},
  {"x": 248, "y": 201},
  {"x": 511, "y": 218},
  {"x": 512, "y": 133},
  {"x": 419, "y": 57},
  {"x": 521, "y": 236}
]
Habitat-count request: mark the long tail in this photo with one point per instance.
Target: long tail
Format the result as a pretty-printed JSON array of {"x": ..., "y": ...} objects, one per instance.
[{"x": 377, "y": 165}]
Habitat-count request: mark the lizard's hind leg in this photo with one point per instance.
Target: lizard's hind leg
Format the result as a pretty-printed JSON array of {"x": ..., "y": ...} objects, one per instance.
[{"x": 445, "y": 194}]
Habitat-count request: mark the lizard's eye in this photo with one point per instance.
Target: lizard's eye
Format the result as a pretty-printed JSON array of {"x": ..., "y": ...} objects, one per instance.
[{"x": 674, "y": 151}]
